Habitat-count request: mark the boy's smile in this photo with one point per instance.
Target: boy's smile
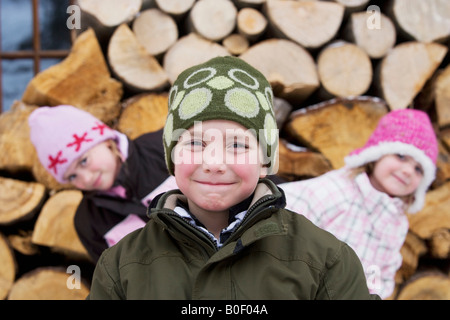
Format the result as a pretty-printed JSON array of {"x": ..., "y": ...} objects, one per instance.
[{"x": 217, "y": 165}]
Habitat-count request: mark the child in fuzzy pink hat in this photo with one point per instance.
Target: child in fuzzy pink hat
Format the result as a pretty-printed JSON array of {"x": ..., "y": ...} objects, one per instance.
[
  {"x": 118, "y": 176},
  {"x": 364, "y": 203}
]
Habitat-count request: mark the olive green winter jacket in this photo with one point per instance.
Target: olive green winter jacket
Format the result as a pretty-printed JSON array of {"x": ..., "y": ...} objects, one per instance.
[{"x": 273, "y": 254}]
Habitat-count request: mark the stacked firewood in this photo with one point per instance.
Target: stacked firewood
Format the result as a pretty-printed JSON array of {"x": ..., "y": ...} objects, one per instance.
[{"x": 336, "y": 67}]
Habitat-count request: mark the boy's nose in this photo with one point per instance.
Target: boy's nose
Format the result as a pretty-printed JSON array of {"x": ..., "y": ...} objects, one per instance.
[{"x": 213, "y": 160}]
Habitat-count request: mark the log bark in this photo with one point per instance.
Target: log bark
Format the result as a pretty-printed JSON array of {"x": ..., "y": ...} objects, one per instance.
[
  {"x": 442, "y": 97},
  {"x": 296, "y": 163},
  {"x": 143, "y": 113},
  {"x": 345, "y": 69},
  {"x": 426, "y": 286},
  {"x": 17, "y": 150},
  {"x": 19, "y": 200},
  {"x": 188, "y": 51},
  {"x": 406, "y": 69},
  {"x": 213, "y": 19},
  {"x": 336, "y": 127},
  {"x": 54, "y": 227},
  {"x": 309, "y": 23},
  {"x": 424, "y": 21},
  {"x": 47, "y": 283},
  {"x": 288, "y": 67},
  {"x": 373, "y": 32},
  {"x": 251, "y": 23},
  {"x": 132, "y": 64},
  {"x": 156, "y": 31},
  {"x": 8, "y": 267},
  {"x": 82, "y": 80}
]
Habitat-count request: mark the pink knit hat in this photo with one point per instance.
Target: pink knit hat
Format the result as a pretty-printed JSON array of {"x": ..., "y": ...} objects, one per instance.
[
  {"x": 62, "y": 134},
  {"x": 407, "y": 132}
]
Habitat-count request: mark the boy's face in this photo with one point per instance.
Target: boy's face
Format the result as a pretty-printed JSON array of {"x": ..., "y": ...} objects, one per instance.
[
  {"x": 397, "y": 175},
  {"x": 96, "y": 169},
  {"x": 217, "y": 165}
]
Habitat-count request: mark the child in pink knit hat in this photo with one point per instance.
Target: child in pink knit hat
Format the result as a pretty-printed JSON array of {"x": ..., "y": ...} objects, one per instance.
[
  {"x": 118, "y": 176},
  {"x": 364, "y": 203}
]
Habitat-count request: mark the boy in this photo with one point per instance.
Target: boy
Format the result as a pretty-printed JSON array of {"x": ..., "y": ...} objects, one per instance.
[{"x": 225, "y": 234}]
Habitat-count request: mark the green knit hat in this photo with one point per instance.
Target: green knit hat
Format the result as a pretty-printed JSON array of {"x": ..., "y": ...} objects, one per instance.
[{"x": 223, "y": 88}]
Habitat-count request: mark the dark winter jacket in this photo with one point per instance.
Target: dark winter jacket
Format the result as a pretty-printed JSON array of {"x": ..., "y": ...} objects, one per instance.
[
  {"x": 140, "y": 174},
  {"x": 273, "y": 254}
]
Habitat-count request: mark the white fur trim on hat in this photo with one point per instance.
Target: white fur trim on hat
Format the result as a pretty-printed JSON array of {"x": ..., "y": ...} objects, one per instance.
[{"x": 374, "y": 153}]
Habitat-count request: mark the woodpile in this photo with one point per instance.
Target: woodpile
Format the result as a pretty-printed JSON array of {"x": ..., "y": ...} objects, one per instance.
[{"x": 335, "y": 66}]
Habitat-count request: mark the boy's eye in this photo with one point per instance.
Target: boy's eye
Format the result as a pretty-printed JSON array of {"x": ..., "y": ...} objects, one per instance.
[
  {"x": 83, "y": 161},
  {"x": 195, "y": 144},
  {"x": 72, "y": 177},
  {"x": 401, "y": 157},
  {"x": 240, "y": 145}
]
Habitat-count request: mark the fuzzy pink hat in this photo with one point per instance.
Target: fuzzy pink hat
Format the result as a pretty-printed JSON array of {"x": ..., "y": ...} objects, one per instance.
[
  {"x": 407, "y": 132},
  {"x": 62, "y": 134}
]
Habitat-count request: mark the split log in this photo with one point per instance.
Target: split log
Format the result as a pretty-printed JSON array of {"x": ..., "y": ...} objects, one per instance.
[
  {"x": 442, "y": 164},
  {"x": 143, "y": 113},
  {"x": 251, "y": 23},
  {"x": 442, "y": 97},
  {"x": 8, "y": 267},
  {"x": 48, "y": 283},
  {"x": 311, "y": 24},
  {"x": 175, "y": 8},
  {"x": 17, "y": 150},
  {"x": 426, "y": 286},
  {"x": 345, "y": 69},
  {"x": 54, "y": 227},
  {"x": 413, "y": 248},
  {"x": 297, "y": 163},
  {"x": 213, "y": 19},
  {"x": 373, "y": 32},
  {"x": 21, "y": 242},
  {"x": 336, "y": 127},
  {"x": 440, "y": 244},
  {"x": 82, "y": 80},
  {"x": 156, "y": 31},
  {"x": 282, "y": 110},
  {"x": 288, "y": 67},
  {"x": 433, "y": 221},
  {"x": 236, "y": 44},
  {"x": 188, "y": 51},
  {"x": 19, "y": 200},
  {"x": 132, "y": 64},
  {"x": 424, "y": 21},
  {"x": 406, "y": 69},
  {"x": 444, "y": 135},
  {"x": 105, "y": 15}
]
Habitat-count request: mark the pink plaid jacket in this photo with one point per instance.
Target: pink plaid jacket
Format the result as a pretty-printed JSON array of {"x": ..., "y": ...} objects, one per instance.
[{"x": 371, "y": 222}]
